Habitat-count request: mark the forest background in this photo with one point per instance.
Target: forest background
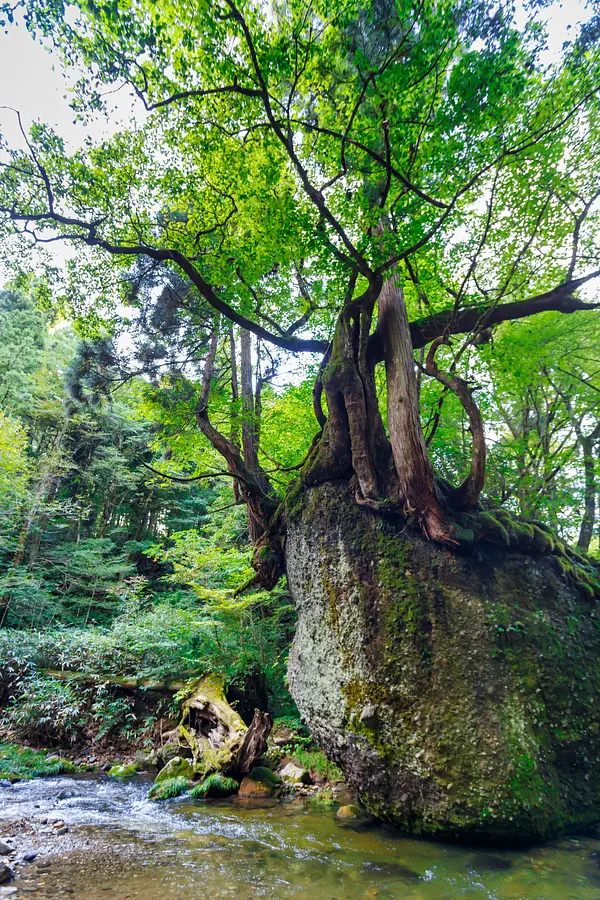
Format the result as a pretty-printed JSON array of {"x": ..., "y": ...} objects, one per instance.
[{"x": 124, "y": 544}]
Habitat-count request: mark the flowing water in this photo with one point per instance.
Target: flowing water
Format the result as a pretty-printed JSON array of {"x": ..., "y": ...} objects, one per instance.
[{"x": 122, "y": 846}]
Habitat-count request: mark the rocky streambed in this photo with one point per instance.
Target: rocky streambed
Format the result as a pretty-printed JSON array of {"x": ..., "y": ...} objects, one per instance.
[{"x": 93, "y": 837}]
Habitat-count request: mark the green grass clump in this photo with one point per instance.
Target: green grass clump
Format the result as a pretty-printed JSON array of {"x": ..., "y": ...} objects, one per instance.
[
  {"x": 19, "y": 763},
  {"x": 167, "y": 790},
  {"x": 316, "y": 761},
  {"x": 215, "y": 785}
]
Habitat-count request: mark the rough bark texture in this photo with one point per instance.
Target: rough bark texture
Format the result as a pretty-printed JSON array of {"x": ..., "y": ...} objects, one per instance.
[
  {"x": 255, "y": 742},
  {"x": 457, "y": 692},
  {"x": 410, "y": 454},
  {"x": 467, "y": 495},
  {"x": 589, "y": 498}
]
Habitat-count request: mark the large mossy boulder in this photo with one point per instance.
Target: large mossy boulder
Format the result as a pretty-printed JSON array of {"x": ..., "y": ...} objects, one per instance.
[{"x": 457, "y": 692}]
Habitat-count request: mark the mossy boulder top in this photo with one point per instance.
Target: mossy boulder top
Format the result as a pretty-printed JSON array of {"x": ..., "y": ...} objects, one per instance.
[
  {"x": 178, "y": 767},
  {"x": 123, "y": 770},
  {"x": 457, "y": 691},
  {"x": 260, "y": 782}
]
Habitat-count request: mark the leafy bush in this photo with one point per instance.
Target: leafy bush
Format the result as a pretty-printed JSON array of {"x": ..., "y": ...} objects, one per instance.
[
  {"x": 109, "y": 714},
  {"x": 293, "y": 724},
  {"x": 221, "y": 635},
  {"x": 46, "y": 711}
]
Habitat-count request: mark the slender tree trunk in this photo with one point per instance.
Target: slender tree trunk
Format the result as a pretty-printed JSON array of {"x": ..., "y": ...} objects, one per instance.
[
  {"x": 586, "y": 530},
  {"x": 255, "y": 489},
  {"x": 248, "y": 406},
  {"x": 256, "y": 525},
  {"x": 39, "y": 530},
  {"x": 411, "y": 458},
  {"x": 235, "y": 398},
  {"x": 468, "y": 493},
  {"x": 45, "y": 493}
]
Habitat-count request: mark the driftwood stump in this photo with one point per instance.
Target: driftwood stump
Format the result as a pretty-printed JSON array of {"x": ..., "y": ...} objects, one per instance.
[{"x": 216, "y": 734}]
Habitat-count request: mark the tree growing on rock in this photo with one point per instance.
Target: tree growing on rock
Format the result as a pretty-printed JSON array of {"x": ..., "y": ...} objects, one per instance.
[{"x": 379, "y": 184}]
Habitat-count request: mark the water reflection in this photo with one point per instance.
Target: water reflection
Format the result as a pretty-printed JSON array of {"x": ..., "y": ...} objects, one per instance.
[{"x": 120, "y": 845}]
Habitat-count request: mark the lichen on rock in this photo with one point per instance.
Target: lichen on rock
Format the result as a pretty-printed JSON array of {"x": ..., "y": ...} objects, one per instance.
[
  {"x": 178, "y": 767},
  {"x": 457, "y": 691}
]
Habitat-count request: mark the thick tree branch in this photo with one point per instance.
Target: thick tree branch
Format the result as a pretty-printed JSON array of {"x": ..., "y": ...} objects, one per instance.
[{"x": 559, "y": 299}]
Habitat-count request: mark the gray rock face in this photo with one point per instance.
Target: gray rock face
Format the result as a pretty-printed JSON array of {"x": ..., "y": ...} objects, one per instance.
[{"x": 456, "y": 693}]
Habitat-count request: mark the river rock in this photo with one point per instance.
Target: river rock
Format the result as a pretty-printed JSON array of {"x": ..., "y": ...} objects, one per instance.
[
  {"x": 123, "y": 770},
  {"x": 293, "y": 774},
  {"x": 148, "y": 761},
  {"x": 178, "y": 767},
  {"x": 349, "y": 813},
  {"x": 5, "y": 848},
  {"x": 457, "y": 692},
  {"x": 5, "y": 873},
  {"x": 214, "y": 785},
  {"x": 260, "y": 782}
]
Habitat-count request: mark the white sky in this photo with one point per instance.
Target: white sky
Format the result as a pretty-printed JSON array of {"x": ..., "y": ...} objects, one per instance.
[{"x": 32, "y": 82}]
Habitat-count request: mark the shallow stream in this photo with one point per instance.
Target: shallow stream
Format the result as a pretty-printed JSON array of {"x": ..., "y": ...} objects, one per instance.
[{"x": 122, "y": 846}]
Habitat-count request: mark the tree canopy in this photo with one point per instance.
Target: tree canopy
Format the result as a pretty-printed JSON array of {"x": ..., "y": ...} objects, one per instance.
[{"x": 297, "y": 168}]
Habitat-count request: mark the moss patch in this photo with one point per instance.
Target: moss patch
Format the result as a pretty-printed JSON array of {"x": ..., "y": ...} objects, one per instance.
[
  {"x": 215, "y": 785},
  {"x": 123, "y": 770},
  {"x": 466, "y": 682},
  {"x": 170, "y": 788},
  {"x": 20, "y": 763}
]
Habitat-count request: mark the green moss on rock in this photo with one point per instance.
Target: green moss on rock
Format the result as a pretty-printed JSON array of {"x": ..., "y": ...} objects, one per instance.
[
  {"x": 178, "y": 767},
  {"x": 455, "y": 691},
  {"x": 123, "y": 770},
  {"x": 215, "y": 785},
  {"x": 260, "y": 782},
  {"x": 169, "y": 788}
]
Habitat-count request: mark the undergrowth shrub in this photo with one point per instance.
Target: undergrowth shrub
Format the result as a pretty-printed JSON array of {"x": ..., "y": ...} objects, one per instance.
[
  {"x": 48, "y": 711},
  {"x": 316, "y": 761},
  {"x": 160, "y": 643}
]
